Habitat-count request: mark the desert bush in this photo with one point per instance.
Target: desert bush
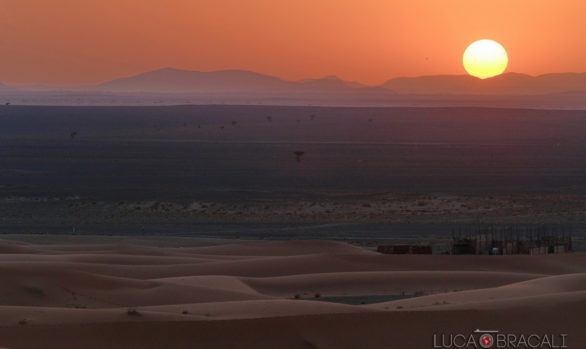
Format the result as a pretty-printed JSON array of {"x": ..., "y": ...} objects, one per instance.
[{"x": 133, "y": 312}]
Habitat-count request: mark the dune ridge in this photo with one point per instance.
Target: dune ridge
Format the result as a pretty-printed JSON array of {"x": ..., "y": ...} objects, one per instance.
[{"x": 268, "y": 294}]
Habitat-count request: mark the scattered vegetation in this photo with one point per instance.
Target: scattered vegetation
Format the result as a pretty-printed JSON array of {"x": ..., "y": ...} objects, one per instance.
[
  {"x": 35, "y": 291},
  {"x": 77, "y": 306}
]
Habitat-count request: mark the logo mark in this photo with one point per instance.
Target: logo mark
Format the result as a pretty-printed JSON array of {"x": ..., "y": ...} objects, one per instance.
[{"x": 486, "y": 341}]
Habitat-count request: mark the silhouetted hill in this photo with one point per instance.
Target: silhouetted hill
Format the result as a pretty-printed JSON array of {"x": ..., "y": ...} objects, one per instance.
[
  {"x": 176, "y": 80},
  {"x": 169, "y": 80},
  {"x": 330, "y": 82},
  {"x": 505, "y": 84}
]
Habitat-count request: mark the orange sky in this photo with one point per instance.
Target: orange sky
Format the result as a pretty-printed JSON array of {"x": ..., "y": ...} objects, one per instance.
[{"x": 89, "y": 41}]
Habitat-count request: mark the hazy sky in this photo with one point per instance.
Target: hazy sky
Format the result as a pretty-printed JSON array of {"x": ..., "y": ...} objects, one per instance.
[{"x": 88, "y": 41}]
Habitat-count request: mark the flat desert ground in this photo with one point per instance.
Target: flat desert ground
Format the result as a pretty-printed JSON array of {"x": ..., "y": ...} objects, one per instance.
[
  {"x": 231, "y": 171},
  {"x": 100, "y": 292}
]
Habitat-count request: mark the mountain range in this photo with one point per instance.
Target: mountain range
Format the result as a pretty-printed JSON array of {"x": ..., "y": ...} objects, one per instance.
[
  {"x": 169, "y": 80},
  {"x": 508, "y": 84},
  {"x": 171, "y": 86}
]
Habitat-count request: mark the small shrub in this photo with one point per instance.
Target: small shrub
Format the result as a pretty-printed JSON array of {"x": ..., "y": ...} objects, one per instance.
[
  {"x": 23, "y": 322},
  {"x": 309, "y": 344},
  {"x": 185, "y": 312},
  {"x": 133, "y": 312},
  {"x": 297, "y": 296},
  {"x": 317, "y": 295},
  {"x": 399, "y": 307}
]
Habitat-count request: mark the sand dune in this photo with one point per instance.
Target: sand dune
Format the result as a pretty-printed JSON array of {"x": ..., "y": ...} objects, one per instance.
[
  {"x": 329, "y": 331},
  {"x": 11, "y": 247},
  {"x": 258, "y": 309},
  {"x": 350, "y": 262},
  {"x": 106, "y": 258},
  {"x": 532, "y": 291},
  {"x": 44, "y": 284},
  {"x": 219, "y": 282},
  {"x": 243, "y": 295},
  {"x": 385, "y": 282},
  {"x": 280, "y": 248}
]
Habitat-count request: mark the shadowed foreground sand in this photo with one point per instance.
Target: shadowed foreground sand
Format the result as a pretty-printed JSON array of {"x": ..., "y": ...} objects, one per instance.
[{"x": 263, "y": 295}]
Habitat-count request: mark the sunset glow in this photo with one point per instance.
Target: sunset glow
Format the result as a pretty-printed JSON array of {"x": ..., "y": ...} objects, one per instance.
[
  {"x": 91, "y": 41},
  {"x": 245, "y": 174}
]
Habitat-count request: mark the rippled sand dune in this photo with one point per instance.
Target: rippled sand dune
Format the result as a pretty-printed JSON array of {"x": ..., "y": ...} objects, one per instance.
[{"x": 270, "y": 295}]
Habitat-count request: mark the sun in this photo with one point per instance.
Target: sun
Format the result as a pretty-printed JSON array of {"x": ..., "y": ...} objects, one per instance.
[{"x": 485, "y": 59}]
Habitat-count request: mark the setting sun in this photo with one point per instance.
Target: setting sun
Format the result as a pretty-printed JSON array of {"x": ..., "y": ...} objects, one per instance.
[
  {"x": 485, "y": 59},
  {"x": 244, "y": 174}
]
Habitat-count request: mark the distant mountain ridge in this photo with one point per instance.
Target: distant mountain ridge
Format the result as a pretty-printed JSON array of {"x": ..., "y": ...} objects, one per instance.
[
  {"x": 331, "y": 81},
  {"x": 170, "y": 80},
  {"x": 177, "y": 80},
  {"x": 507, "y": 84},
  {"x": 171, "y": 86}
]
